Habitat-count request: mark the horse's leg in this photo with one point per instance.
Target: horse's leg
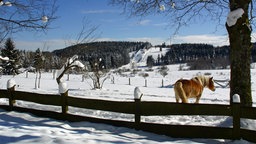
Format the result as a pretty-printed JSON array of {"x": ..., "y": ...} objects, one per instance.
[
  {"x": 177, "y": 95},
  {"x": 180, "y": 93},
  {"x": 177, "y": 99},
  {"x": 198, "y": 98}
]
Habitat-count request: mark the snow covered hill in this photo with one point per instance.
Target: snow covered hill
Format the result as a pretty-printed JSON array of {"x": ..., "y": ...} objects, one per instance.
[{"x": 141, "y": 56}]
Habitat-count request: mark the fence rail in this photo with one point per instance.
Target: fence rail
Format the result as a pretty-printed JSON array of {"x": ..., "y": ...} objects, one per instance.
[{"x": 139, "y": 108}]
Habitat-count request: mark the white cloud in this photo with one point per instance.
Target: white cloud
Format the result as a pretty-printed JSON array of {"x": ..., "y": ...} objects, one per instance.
[
  {"x": 107, "y": 39},
  {"x": 153, "y": 41},
  {"x": 54, "y": 44},
  {"x": 161, "y": 24},
  {"x": 215, "y": 40},
  {"x": 99, "y": 11},
  {"x": 206, "y": 39},
  {"x": 144, "y": 22},
  {"x": 45, "y": 45},
  {"x": 150, "y": 22}
]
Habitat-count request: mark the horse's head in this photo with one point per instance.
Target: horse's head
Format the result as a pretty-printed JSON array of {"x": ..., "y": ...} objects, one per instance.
[
  {"x": 210, "y": 84},
  {"x": 206, "y": 82}
]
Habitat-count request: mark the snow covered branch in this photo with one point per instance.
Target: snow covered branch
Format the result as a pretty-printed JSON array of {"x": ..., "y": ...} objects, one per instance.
[
  {"x": 4, "y": 58},
  {"x": 71, "y": 62}
]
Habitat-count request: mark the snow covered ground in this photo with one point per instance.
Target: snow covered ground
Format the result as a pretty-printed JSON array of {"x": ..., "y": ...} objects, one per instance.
[{"x": 26, "y": 128}]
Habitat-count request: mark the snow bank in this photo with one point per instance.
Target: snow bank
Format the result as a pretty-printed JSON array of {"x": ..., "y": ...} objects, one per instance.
[{"x": 233, "y": 16}]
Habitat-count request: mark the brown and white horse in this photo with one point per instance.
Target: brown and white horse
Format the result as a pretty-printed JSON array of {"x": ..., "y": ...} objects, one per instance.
[{"x": 193, "y": 88}]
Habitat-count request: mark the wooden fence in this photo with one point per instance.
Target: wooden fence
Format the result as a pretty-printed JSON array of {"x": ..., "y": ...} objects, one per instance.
[{"x": 140, "y": 108}]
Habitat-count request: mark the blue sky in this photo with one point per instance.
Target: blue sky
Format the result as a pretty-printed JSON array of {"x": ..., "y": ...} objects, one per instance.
[{"x": 115, "y": 26}]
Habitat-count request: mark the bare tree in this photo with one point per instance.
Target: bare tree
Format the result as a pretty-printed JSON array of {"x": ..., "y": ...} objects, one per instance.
[
  {"x": 183, "y": 12},
  {"x": 164, "y": 72},
  {"x": 20, "y": 15},
  {"x": 99, "y": 73},
  {"x": 38, "y": 64},
  {"x": 144, "y": 75}
]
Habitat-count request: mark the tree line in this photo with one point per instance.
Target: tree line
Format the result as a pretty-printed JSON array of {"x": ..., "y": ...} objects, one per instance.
[{"x": 115, "y": 54}]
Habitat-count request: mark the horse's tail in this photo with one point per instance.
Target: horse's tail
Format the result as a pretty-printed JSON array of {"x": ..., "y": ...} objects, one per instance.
[{"x": 179, "y": 92}]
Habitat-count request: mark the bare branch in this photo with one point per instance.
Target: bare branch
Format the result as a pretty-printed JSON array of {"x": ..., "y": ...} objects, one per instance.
[
  {"x": 179, "y": 12},
  {"x": 32, "y": 15},
  {"x": 87, "y": 34}
]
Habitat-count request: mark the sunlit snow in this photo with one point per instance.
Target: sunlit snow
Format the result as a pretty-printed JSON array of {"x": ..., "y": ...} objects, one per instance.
[{"x": 25, "y": 128}]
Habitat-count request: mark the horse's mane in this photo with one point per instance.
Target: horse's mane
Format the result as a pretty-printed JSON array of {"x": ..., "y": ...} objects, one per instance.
[{"x": 203, "y": 80}]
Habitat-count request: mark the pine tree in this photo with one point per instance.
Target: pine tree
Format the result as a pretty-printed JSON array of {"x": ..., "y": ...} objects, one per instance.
[
  {"x": 38, "y": 60},
  {"x": 150, "y": 61},
  {"x": 11, "y": 67}
]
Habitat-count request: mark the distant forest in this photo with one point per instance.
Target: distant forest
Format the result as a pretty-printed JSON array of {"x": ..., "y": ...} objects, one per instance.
[
  {"x": 116, "y": 54},
  {"x": 201, "y": 56}
]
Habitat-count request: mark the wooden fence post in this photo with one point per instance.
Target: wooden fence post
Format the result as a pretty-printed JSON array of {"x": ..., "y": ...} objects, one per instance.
[
  {"x": 236, "y": 116},
  {"x": 137, "y": 99},
  {"x": 64, "y": 104},
  {"x": 11, "y": 99},
  {"x": 63, "y": 90},
  {"x": 11, "y": 88}
]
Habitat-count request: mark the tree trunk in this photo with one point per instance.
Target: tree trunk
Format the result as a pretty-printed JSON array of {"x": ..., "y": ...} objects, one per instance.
[
  {"x": 97, "y": 82},
  {"x": 39, "y": 79},
  {"x": 240, "y": 54},
  {"x": 54, "y": 74},
  {"x": 68, "y": 76},
  {"x": 66, "y": 68},
  {"x": 36, "y": 80}
]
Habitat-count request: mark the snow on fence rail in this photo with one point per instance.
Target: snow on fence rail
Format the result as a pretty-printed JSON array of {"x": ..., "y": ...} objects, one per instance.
[{"x": 139, "y": 108}]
